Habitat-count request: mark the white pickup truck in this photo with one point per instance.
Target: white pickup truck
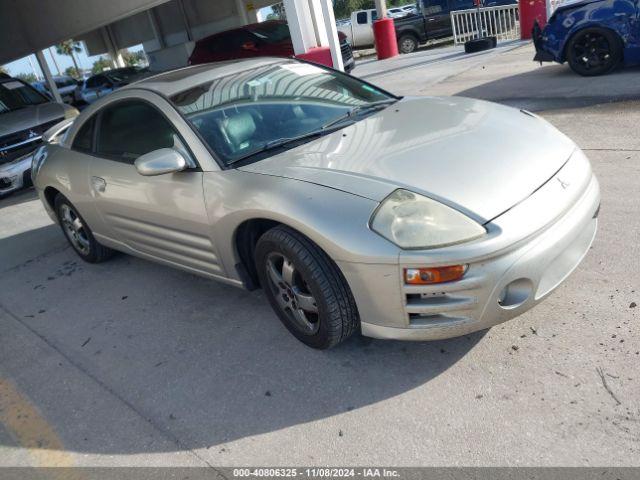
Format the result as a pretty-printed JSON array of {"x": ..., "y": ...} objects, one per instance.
[{"x": 359, "y": 30}]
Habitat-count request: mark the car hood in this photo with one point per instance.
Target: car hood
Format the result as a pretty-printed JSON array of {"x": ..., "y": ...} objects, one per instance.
[
  {"x": 32, "y": 116},
  {"x": 479, "y": 157}
]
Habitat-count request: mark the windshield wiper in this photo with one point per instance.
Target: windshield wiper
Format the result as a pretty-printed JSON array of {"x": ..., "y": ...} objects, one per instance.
[
  {"x": 359, "y": 109},
  {"x": 279, "y": 142}
]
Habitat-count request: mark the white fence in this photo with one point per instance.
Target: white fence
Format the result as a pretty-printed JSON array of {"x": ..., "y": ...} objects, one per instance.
[{"x": 502, "y": 22}]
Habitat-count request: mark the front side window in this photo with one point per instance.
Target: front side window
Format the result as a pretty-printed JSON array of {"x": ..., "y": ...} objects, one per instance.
[
  {"x": 257, "y": 110},
  {"x": 14, "y": 95},
  {"x": 361, "y": 18},
  {"x": 130, "y": 129},
  {"x": 84, "y": 138}
]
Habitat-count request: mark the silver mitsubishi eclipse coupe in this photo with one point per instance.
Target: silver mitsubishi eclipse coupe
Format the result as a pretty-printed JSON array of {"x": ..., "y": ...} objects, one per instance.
[{"x": 355, "y": 210}]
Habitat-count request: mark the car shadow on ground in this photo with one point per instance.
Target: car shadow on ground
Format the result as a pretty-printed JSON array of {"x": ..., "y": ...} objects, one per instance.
[
  {"x": 208, "y": 362},
  {"x": 17, "y": 198},
  {"x": 557, "y": 87}
]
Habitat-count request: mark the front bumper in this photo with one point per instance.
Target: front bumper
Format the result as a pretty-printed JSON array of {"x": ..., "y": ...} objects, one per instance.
[
  {"x": 497, "y": 286},
  {"x": 538, "y": 41},
  {"x": 15, "y": 175}
]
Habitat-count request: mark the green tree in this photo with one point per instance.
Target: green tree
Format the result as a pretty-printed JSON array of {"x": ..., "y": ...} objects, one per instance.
[
  {"x": 73, "y": 72},
  {"x": 70, "y": 48},
  {"x": 100, "y": 65},
  {"x": 130, "y": 58},
  {"x": 27, "y": 77},
  {"x": 4, "y": 70}
]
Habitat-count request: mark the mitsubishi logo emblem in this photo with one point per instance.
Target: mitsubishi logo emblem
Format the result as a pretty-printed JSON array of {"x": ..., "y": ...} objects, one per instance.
[
  {"x": 564, "y": 185},
  {"x": 31, "y": 134}
]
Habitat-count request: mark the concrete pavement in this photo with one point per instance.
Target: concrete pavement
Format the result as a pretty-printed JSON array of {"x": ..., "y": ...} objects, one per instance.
[{"x": 132, "y": 363}]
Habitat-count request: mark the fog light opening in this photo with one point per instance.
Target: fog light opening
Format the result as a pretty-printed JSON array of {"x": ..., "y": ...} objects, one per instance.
[{"x": 515, "y": 293}]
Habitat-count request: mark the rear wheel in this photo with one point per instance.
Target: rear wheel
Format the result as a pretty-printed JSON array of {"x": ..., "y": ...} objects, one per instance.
[
  {"x": 594, "y": 51},
  {"x": 407, "y": 44},
  {"x": 78, "y": 233},
  {"x": 305, "y": 288}
]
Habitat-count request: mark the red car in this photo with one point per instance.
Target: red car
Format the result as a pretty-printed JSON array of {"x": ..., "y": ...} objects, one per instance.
[{"x": 266, "y": 39}]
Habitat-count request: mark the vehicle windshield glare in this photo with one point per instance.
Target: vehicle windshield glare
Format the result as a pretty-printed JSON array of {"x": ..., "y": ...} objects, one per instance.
[
  {"x": 272, "y": 32},
  {"x": 273, "y": 105},
  {"x": 15, "y": 95}
]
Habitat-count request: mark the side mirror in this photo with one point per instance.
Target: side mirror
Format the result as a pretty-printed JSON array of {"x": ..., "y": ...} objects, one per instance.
[{"x": 159, "y": 162}]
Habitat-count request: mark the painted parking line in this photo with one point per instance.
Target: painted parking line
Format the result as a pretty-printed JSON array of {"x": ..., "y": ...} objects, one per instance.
[{"x": 30, "y": 429}]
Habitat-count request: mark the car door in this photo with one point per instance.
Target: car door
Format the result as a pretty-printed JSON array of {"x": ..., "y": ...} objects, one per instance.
[
  {"x": 94, "y": 88},
  {"x": 437, "y": 18},
  {"x": 362, "y": 28},
  {"x": 161, "y": 217}
]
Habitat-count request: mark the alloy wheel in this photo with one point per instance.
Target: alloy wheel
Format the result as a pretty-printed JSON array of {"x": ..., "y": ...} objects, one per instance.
[
  {"x": 592, "y": 50},
  {"x": 292, "y": 293},
  {"x": 74, "y": 229}
]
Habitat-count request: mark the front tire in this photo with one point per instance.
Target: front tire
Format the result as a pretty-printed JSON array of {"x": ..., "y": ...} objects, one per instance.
[
  {"x": 305, "y": 288},
  {"x": 594, "y": 51},
  {"x": 78, "y": 232}
]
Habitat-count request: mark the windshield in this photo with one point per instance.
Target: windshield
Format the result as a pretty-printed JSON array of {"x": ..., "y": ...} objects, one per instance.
[
  {"x": 274, "y": 106},
  {"x": 15, "y": 95}
]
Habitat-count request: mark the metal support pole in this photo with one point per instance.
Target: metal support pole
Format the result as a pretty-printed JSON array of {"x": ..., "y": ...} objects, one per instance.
[
  {"x": 332, "y": 33},
  {"x": 381, "y": 7},
  {"x": 47, "y": 75},
  {"x": 185, "y": 20},
  {"x": 153, "y": 20}
]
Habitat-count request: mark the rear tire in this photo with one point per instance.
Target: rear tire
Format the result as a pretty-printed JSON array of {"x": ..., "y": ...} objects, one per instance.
[
  {"x": 594, "y": 51},
  {"x": 407, "y": 44},
  {"x": 78, "y": 233},
  {"x": 305, "y": 288}
]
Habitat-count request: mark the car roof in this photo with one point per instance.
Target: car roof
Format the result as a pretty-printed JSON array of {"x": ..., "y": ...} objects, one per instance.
[{"x": 175, "y": 81}]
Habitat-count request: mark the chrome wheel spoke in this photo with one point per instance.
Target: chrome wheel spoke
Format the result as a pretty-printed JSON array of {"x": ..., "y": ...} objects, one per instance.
[
  {"x": 287, "y": 271},
  {"x": 77, "y": 224},
  {"x": 273, "y": 273},
  {"x": 306, "y": 301},
  {"x": 301, "y": 318}
]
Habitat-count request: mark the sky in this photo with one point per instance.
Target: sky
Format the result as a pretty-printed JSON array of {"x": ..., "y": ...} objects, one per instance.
[{"x": 63, "y": 61}]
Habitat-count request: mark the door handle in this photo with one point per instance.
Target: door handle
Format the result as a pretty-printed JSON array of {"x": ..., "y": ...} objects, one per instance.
[
  {"x": 98, "y": 184},
  {"x": 431, "y": 20}
]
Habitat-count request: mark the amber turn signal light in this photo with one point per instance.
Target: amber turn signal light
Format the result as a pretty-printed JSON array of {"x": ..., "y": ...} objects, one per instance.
[{"x": 429, "y": 276}]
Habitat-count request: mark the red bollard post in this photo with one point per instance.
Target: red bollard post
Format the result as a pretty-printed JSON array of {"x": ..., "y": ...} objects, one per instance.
[
  {"x": 384, "y": 34},
  {"x": 531, "y": 10}
]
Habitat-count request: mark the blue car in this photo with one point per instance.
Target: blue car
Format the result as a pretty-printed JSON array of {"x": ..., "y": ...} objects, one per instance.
[{"x": 592, "y": 36}]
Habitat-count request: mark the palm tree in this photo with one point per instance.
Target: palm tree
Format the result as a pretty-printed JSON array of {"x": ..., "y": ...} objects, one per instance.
[{"x": 69, "y": 47}]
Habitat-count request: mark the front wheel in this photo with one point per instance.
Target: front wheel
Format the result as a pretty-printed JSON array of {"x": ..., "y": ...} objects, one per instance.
[
  {"x": 407, "y": 44},
  {"x": 78, "y": 232},
  {"x": 594, "y": 51},
  {"x": 305, "y": 288}
]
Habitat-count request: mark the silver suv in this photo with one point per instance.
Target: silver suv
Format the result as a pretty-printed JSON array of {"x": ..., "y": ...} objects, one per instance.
[{"x": 25, "y": 114}]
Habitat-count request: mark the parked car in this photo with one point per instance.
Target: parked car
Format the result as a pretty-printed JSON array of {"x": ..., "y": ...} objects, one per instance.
[
  {"x": 25, "y": 114},
  {"x": 102, "y": 84},
  {"x": 350, "y": 207},
  {"x": 592, "y": 36},
  {"x": 67, "y": 87},
  {"x": 396, "y": 12},
  {"x": 267, "y": 39}
]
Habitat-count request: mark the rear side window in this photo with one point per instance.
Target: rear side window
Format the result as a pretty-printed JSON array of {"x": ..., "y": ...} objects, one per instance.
[
  {"x": 131, "y": 129},
  {"x": 84, "y": 138}
]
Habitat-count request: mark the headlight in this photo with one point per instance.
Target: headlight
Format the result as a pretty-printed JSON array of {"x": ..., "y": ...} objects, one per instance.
[{"x": 413, "y": 221}]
